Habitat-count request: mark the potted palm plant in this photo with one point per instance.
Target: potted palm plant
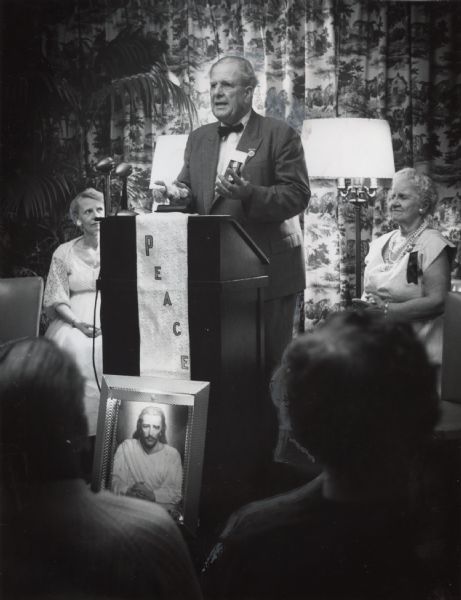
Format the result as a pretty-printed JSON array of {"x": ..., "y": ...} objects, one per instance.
[{"x": 57, "y": 103}]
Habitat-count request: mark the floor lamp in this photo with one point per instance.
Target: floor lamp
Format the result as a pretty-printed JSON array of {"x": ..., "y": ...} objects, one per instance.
[
  {"x": 355, "y": 152},
  {"x": 167, "y": 161}
]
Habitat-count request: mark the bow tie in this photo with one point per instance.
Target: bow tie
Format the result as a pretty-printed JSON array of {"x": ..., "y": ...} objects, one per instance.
[{"x": 224, "y": 130}]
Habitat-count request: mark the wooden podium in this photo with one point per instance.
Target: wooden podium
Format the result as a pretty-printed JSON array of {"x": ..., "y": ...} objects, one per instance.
[{"x": 227, "y": 275}]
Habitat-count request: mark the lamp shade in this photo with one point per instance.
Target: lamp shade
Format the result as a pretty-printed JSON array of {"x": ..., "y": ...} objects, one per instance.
[
  {"x": 348, "y": 147},
  {"x": 168, "y": 158}
]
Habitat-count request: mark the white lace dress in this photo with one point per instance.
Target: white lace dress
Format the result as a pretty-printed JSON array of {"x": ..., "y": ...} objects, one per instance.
[{"x": 72, "y": 281}]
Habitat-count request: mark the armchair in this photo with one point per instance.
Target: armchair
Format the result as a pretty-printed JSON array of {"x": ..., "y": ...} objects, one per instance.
[{"x": 20, "y": 307}]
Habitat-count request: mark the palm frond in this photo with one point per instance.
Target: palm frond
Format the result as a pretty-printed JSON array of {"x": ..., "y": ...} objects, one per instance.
[
  {"x": 37, "y": 195},
  {"x": 24, "y": 90},
  {"x": 153, "y": 89},
  {"x": 87, "y": 81},
  {"x": 130, "y": 51},
  {"x": 68, "y": 95}
]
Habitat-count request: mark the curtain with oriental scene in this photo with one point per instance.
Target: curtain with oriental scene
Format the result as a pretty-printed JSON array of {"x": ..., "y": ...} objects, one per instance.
[{"x": 398, "y": 61}]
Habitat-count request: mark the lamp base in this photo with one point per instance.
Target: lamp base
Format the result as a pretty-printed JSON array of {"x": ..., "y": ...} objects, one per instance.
[{"x": 355, "y": 191}]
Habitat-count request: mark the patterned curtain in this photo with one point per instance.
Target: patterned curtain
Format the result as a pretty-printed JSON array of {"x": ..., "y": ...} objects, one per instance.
[
  {"x": 392, "y": 60},
  {"x": 314, "y": 59}
]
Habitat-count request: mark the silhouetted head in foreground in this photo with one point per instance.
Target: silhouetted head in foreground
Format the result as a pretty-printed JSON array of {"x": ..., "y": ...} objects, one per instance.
[
  {"x": 361, "y": 394},
  {"x": 43, "y": 424}
]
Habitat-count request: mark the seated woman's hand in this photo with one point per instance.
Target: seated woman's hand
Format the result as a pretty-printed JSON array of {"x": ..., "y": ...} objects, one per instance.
[
  {"x": 87, "y": 329},
  {"x": 373, "y": 303},
  {"x": 359, "y": 303}
]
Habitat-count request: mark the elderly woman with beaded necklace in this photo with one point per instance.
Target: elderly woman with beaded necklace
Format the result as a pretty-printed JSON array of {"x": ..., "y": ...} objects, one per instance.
[{"x": 407, "y": 271}]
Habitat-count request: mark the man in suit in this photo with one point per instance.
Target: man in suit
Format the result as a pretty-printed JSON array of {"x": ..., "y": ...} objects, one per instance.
[{"x": 266, "y": 198}]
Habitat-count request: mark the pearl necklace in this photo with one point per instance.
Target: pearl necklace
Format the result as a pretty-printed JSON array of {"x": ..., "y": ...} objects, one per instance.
[{"x": 407, "y": 246}]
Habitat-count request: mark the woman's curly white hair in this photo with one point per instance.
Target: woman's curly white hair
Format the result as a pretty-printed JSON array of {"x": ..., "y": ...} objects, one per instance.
[{"x": 424, "y": 185}]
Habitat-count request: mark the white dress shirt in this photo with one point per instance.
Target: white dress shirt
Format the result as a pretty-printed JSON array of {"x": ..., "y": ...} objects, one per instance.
[{"x": 228, "y": 145}]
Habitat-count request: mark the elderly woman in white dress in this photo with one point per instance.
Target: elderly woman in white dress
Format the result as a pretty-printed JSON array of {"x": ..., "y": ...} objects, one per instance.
[
  {"x": 407, "y": 271},
  {"x": 70, "y": 295}
]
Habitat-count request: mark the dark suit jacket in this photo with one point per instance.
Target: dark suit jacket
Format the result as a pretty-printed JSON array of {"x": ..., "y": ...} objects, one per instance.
[{"x": 277, "y": 171}]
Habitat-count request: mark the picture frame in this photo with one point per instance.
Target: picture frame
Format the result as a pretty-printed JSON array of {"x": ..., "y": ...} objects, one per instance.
[{"x": 183, "y": 403}]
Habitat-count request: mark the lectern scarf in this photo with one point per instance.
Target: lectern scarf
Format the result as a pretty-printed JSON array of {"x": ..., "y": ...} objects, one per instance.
[{"x": 161, "y": 243}]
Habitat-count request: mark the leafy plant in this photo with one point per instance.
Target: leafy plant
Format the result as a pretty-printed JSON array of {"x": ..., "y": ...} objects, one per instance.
[
  {"x": 58, "y": 96},
  {"x": 58, "y": 99}
]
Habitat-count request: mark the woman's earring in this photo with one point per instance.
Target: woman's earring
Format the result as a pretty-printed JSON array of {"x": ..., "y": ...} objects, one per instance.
[
  {"x": 421, "y": 211},
  {"x": 79, "y": 223}
]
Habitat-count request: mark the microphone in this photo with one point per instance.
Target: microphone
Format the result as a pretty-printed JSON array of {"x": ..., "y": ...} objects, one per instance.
[
  {"x": 105, "y": 167},
  {"x": 123, "y": 170}
]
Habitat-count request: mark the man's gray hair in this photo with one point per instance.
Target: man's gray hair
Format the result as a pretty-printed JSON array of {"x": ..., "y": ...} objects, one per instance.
[{"x": 246, "y": 69}]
